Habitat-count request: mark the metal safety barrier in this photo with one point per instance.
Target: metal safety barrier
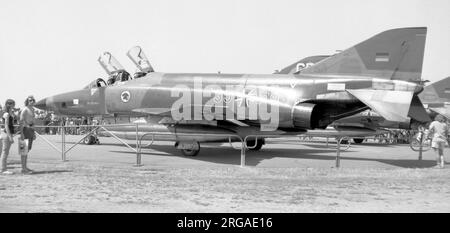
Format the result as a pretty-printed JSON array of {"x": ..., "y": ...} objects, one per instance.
[
  {"x": 138, "y": 149},
  {"x": 153, "y": 134},
  {"x": 338, "y": 149},
  {"x": 93, "y": 129}
]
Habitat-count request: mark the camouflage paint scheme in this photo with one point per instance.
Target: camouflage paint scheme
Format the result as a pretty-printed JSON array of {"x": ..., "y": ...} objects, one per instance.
[
  {"x": 297, "y": 67},
  {"x": 380, "y": 73},
  {"x": 436, "y": 98}
]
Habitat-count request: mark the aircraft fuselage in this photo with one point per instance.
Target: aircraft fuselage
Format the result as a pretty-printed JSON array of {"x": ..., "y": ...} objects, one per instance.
[{"x": 250, "y": 98}]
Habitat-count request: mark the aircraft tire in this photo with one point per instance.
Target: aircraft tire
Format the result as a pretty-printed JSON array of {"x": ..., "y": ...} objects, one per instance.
[
  {"x": 90, "y": 140},
  {"x": 358, "y": 140},
  {"x": 191, "y": 152}
]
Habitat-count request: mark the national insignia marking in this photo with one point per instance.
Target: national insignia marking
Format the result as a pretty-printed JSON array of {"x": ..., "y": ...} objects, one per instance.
[{"x": 125, "y": 96}]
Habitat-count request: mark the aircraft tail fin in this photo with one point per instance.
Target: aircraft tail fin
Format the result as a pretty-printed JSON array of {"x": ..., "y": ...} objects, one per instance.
[{"x": 393, "y": 54}]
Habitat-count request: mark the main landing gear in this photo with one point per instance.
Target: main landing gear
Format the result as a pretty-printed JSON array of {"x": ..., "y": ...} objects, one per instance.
[
  {"x": 358, "y": 140},
  {"x": 188, "y": 148},
  {"x": 193, "y": 148}
]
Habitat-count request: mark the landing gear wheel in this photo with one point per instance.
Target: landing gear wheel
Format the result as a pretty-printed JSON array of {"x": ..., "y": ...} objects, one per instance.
[
  {"x": 191, "y": 151},
  {"x": 344, "y": 142},
  {"x": 90, "y": 140},
  {"x": 358, "y": 140},
  {"x": 256, "y": 146}
]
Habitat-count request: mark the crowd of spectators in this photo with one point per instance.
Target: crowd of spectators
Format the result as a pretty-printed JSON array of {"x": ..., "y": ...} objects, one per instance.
[
  {"x": 396, "y": 137},
  {"x": 74, "y": 125}
]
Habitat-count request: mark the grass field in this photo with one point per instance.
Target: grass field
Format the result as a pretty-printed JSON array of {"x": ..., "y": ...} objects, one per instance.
[
  {"x": 286, "y": 176},
  {"x": 84, "y": 188}
]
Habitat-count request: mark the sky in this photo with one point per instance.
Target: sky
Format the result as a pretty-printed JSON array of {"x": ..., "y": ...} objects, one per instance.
[{"x": 51, "y": 46}]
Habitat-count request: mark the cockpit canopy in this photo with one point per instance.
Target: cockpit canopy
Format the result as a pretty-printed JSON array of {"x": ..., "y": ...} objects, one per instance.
[
  {"x": 109, "y": 63},
  {"x": 113, "y": 68},
  {"x": 119, "y": 76},
  {"x": 137, "y": 55},
  {"x": 96, "y": 84}
]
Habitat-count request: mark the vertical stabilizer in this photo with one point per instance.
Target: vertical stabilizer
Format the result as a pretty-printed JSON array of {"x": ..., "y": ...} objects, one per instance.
[{"x": 393, "y": 54}]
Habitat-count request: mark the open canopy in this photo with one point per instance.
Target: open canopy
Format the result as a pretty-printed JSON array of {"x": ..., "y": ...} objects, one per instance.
[
  {"x": 109, "y": 63},
  {"x": 139, "y": 59}
]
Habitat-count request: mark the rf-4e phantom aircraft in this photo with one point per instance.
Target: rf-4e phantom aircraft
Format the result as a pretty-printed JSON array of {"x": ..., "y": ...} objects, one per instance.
[{"x": 379, "y": 74}]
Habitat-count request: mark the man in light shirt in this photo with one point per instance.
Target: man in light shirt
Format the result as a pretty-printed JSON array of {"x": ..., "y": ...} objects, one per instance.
[{"x": 439, "y": 130}]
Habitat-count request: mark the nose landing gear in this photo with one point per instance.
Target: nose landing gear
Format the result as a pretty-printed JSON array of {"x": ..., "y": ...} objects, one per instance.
[{"x": 91, "y": 140}]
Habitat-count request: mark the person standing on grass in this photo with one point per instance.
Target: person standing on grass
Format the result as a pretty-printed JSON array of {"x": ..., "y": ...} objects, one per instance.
[
  {"x": 6, "y": 135},
  {"x": 439, "y": 131},
  {"x": 27, "y": 120}
]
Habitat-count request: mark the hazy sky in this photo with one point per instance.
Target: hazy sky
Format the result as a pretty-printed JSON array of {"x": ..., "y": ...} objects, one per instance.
[{"x": 48, "y": 47}]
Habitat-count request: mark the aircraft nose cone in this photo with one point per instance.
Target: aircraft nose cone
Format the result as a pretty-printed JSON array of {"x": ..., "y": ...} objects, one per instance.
[{"x": 41, "y": 104}]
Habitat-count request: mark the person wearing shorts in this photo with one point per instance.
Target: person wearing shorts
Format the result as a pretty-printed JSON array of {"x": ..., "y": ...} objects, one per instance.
[
  {"x": 27, "y": 120},
  {"x": 439, "y": 130}
]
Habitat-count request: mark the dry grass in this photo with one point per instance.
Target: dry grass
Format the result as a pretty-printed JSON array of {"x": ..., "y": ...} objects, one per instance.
[{"x": 76, "y": 187}]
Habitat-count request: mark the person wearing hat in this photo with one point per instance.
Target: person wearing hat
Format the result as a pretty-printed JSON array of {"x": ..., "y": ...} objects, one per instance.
[
  {"x": 439, "y": 130},
  {"x": 6, "y": 135},
  {"x": 27, "y": 120}
]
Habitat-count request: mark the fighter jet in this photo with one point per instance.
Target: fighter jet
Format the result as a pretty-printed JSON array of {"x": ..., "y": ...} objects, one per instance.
[{"x": 379, "y": 73}]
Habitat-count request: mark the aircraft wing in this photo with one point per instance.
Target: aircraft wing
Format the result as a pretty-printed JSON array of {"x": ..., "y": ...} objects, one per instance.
[{"x": 392, "y": 105}]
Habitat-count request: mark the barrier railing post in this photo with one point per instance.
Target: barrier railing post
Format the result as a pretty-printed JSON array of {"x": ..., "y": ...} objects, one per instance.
[
  {"x": 63, "y": 144},
  {"x": 243, "y": 153},
  {"x": 420, "y": 147},
  {"x": 420, "y": 152},
  {"x": 338, "y": 153},
  {"x": 138, "y": 149}
]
